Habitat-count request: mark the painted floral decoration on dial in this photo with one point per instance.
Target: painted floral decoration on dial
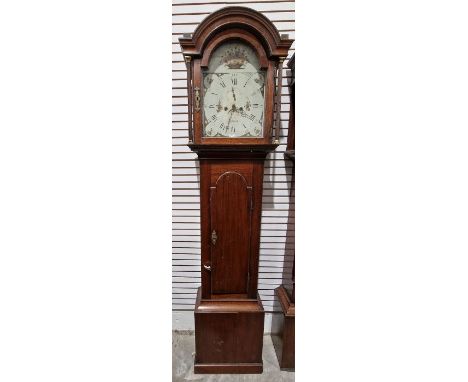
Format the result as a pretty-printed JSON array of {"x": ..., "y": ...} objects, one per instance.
[{"x": 233, "y": 93}]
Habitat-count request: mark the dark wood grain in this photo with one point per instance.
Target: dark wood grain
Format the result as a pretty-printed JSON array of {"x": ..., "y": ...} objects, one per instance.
[
  {"x": 230, "y": 207},
  {"x": 290, "y": 153},
  {"x": 229, "y": 315},
  {"x": 286, "y": 295},
  {"x": 291, "y": 145},
  {"x": 245, "y": 243},
  {"x": 228, "y": 336},
  {"x": 289, "y": 354},
  {"x": 287, "y": 357}
]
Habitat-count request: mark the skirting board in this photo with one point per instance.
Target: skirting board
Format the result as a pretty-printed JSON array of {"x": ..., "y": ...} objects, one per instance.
[{"x": 184, "y": 320}]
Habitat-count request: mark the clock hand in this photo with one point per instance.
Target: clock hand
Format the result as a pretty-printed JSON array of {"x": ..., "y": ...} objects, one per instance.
[
  {"x": 229, "y": 121},
  {"x": 233, "y": 94}
]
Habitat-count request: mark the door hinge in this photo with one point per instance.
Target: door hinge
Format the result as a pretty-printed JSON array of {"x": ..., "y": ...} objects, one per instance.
[{"x": 214, "y": 237}]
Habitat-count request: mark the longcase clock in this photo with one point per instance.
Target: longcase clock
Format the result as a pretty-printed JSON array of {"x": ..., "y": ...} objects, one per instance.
[
  {"x": 234, "y": 60},
  {"x": 286, "y": 291}
]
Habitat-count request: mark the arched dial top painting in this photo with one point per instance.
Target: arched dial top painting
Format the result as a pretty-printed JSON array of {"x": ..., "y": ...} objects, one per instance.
[{"x": 233, "y": 93}]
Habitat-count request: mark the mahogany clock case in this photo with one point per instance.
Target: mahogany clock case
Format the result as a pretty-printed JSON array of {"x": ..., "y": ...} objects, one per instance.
[
  {"x": 286, "y": 353},
  {"x": 259, "y": 33},
  {"x": 286, "y": 291},
  {"x": 229, "y": 315},
  {"x": 228, "y": 336}
]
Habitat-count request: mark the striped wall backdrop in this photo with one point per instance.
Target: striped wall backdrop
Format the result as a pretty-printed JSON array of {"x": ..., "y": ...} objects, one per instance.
[{"x": 277, "y": 232}]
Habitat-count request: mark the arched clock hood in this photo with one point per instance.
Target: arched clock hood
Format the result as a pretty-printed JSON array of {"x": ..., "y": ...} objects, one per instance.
[
  {"x": 237, "y": 17},
  {"x": 254, "y": 29}
]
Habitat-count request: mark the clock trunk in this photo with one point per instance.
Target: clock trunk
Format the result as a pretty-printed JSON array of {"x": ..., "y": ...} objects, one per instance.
[
  {"x": 231, "y": 194},
  {"x": 229, "y": 315}
]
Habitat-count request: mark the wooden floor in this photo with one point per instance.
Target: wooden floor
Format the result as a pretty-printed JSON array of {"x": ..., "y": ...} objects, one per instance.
[{"x": 183, "y": 348}]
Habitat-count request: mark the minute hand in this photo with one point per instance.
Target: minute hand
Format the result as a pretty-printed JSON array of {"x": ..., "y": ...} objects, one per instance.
[{"x": 229, "y": 121}]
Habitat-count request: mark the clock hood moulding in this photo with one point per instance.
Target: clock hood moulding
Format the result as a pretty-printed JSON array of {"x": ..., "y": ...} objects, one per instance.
[
  {"x": 251, "y": 28},
  {"x": 236, "y": 17}
]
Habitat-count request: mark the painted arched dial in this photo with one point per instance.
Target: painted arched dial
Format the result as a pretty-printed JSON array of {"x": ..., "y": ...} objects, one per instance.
[
  {"x": 233, "y": 93},
  {"x": 230, "y": 205}
]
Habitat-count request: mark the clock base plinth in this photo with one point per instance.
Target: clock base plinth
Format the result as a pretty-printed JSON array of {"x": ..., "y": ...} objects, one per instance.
[
  {"x": 228, "y": 336},
  {"x": 286, "y": 359}
]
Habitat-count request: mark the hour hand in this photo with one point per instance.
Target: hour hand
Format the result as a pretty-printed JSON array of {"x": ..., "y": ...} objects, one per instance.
[{"x": 233, "y": 94}]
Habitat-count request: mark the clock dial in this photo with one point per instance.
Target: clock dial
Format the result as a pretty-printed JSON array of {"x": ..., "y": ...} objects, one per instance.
[{"x": 233, "y": 93}]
